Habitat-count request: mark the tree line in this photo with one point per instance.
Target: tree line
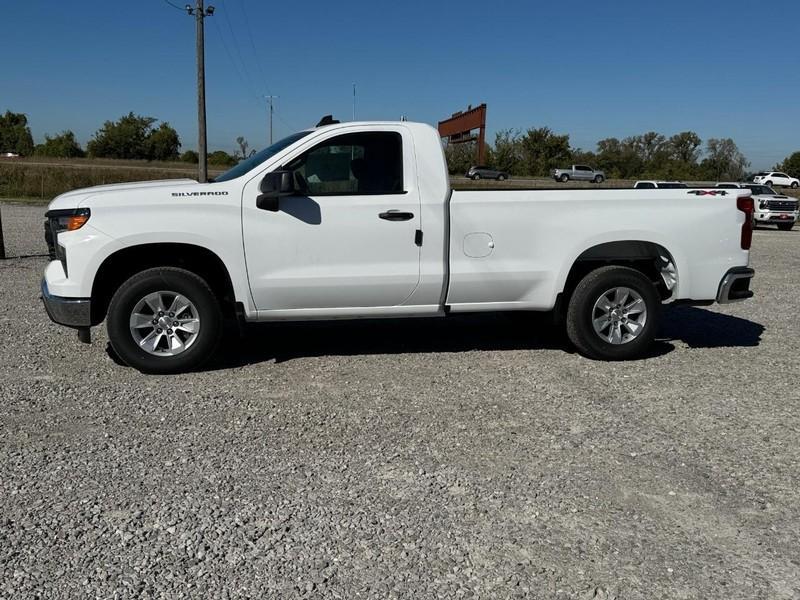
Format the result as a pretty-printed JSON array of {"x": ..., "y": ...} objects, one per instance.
[
  {"x": 652, "y": 155},
  {"x": 534, "y": 152},
  {"x": 131, "y": 136}
]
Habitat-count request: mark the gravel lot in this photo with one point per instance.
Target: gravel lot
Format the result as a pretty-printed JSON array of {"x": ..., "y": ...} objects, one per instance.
[{"x": 468, "y": 458}]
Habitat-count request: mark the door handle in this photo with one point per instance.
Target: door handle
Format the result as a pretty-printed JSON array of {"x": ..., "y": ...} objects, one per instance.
[{"x": 396, "y": 215}]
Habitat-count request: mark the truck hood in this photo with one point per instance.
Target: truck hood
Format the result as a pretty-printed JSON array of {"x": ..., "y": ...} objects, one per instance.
[
  {"x": 76, "y": 198},
  {"x": 772, "y": 197}
]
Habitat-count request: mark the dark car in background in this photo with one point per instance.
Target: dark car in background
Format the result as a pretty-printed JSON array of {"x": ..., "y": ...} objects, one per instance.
[{"x": 480, "y": 172}]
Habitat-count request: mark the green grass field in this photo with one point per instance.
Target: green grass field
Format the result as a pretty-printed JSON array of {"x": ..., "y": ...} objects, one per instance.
[{"x": 41, "y": 179}]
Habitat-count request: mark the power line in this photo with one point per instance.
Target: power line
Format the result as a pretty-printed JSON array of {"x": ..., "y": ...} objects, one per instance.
[
  {"x": 235, "y": 43},
  {"x": 253, "y": 45},
  {"x": 242, "y": 71},
  {"x": 233, "y": 62},
  {"x": 180, "y": 8}
]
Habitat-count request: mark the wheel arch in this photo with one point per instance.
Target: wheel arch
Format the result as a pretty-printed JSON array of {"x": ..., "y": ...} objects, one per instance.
[
  {"x": 122, "y": 264},
  {"x": 650, "y": 258}
]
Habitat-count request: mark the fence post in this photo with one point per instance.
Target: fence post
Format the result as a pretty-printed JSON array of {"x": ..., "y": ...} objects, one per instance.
[{"x": 2, "y": 243}]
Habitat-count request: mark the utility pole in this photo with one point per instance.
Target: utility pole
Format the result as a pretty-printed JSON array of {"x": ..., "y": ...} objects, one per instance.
[
  {"x": 270, "y": 98},
  {"x": 200, "y": 14}
]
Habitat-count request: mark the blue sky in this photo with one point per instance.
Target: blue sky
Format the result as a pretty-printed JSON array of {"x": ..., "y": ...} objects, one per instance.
[{"x": 590, "y": 69}]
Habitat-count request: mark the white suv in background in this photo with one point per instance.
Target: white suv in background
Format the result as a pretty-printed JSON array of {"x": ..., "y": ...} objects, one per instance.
[{"x": 776, "y": 178}]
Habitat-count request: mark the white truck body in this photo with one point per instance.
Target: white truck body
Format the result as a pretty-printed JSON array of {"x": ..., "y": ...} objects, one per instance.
[{"x": 333, "y": 256}]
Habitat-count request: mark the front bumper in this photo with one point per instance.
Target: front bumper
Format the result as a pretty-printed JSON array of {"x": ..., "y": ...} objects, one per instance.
[
  {"x": 72, "y": 312},
  {"x": 776, "y": 217},
  {"x": 735, "y": 285}
]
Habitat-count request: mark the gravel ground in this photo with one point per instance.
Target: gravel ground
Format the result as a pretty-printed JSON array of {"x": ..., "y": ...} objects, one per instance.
[{"x": 467, "y": 458}]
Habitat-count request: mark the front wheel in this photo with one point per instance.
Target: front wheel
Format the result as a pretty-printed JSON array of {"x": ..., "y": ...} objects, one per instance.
[
  {"x": 501, "y": 177},
  {"x": 564, "y": 178},
  {"x": 613, "y": 314},
  {"x": 476, "y": 177},
  {"x": 768, "y": 184},
  {"x": 795, "y": 185},
  {"x": 785, "y": 226},
  {"x": 599, "y": 179},
  {"x": 164, "y": 320}
]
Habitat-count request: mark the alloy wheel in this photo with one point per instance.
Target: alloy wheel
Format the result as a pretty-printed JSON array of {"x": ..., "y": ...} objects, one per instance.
[
  {"x": 619, "y": 315},
  {"x": 164, "y": 323}
]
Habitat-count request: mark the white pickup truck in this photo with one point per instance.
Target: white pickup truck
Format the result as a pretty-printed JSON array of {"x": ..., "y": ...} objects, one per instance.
[{"x": 358, "y": 220}]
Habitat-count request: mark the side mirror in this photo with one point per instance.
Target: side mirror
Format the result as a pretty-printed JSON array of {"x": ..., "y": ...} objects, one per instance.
[{"x": 273, "y": 187}]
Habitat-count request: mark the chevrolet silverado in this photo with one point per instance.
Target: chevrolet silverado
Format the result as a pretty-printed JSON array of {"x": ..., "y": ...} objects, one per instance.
[{"x": 358, "y": 220}]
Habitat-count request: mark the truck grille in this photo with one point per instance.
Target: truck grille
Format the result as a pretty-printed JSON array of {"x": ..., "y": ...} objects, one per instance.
[{"x": 787, "y": 205}]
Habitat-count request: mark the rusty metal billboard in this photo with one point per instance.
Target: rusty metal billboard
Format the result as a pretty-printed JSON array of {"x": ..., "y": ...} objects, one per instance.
[{"x": 460, "y": 128}]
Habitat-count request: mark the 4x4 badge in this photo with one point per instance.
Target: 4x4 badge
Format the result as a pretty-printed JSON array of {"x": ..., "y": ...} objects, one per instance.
[{"x": 708, "y": 192}]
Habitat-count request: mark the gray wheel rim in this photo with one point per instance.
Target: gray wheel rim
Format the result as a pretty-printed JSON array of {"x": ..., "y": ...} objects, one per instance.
[
  {"x": 619, "y": 315},
  {"x": 164, "y": 323}
]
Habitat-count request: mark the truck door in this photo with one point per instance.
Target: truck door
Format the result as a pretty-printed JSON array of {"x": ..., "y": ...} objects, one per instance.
[{"x": 346, "y": 237}]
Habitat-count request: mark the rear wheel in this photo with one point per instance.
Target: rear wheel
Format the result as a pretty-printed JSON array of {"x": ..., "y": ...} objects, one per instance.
[
  {"x": 564, "y": 178},
  {"x": 613, "y": 314},
  {"x": 164, "y": 320},
  {"x": 785, "y": 226}
]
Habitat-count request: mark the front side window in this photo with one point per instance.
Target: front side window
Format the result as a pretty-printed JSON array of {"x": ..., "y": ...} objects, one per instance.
[{"x": 350, "y": 164}]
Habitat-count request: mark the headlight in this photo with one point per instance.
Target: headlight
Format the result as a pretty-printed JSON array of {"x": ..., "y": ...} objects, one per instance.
[
  {"x": 68, "y": 219},
  {"x": 61, "y": 220}
]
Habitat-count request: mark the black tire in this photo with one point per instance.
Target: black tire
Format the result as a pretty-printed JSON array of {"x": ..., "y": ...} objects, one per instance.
[
  {"x": 769, "y": 183},
  {"x": 581, "y": 309},
  {"x": 501, "y": 177},
  {"x": 476, "y": 177},
  {"x": 599, "y": 179},
  {"x": 795, "y": 185},
  {"x": 564, "y": 178},
  {"x": 183, "y": 282},
  {"x": 785, "y": 226}
]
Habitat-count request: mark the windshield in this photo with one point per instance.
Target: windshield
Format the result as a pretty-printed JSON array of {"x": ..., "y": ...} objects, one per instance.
[{"x": 259, "y": 157}]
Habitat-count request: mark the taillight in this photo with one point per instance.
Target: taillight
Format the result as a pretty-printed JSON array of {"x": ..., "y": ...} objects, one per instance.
[{"x": 745, "y": 204}]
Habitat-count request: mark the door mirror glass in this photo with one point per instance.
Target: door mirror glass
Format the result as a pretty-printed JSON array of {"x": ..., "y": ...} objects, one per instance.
[{"x": 274, "y": 185}]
